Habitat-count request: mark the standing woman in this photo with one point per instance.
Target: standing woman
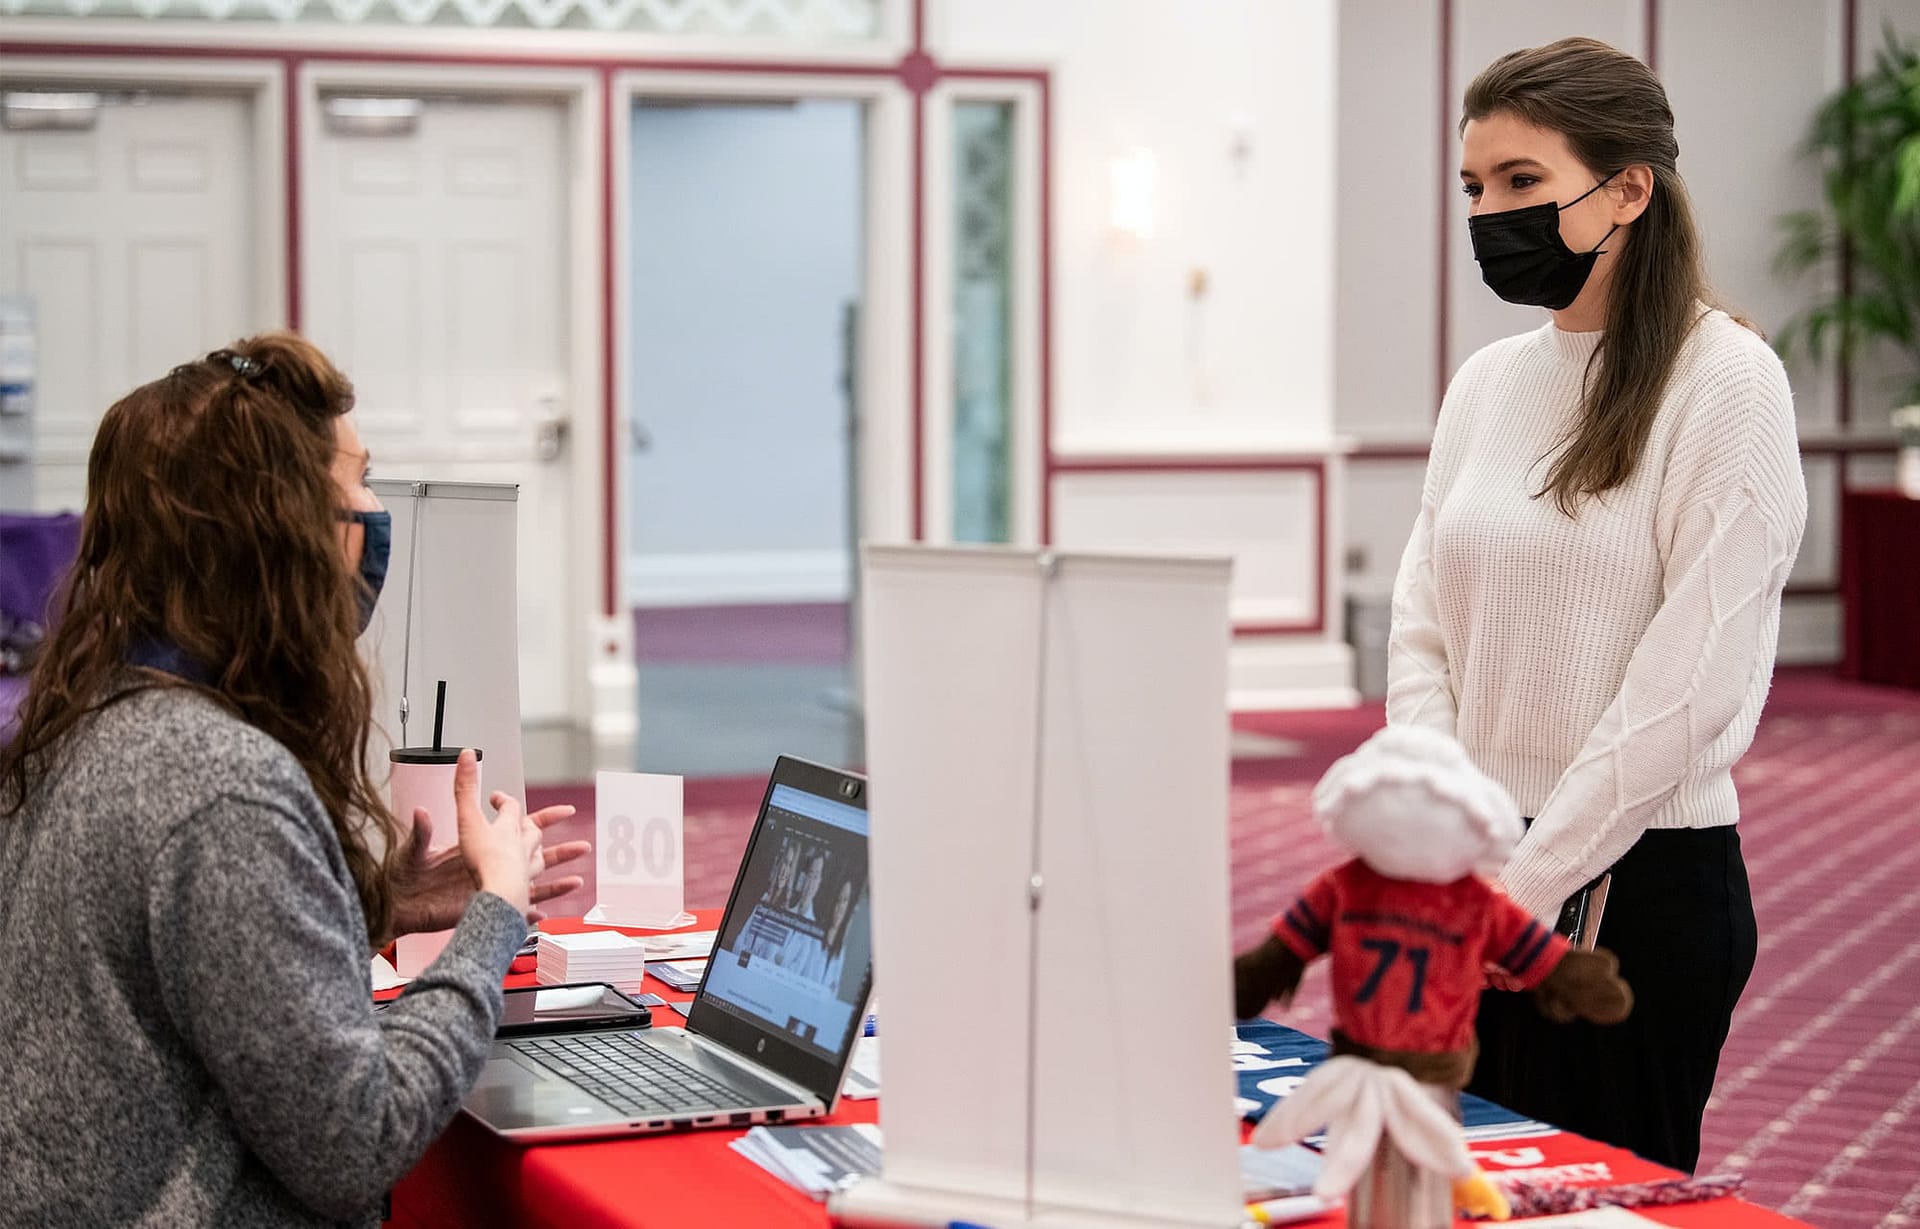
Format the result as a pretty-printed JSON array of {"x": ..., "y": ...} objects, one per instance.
[
  {"x": 195, "y": 859},
  {"x": 1590, "y": 599}
]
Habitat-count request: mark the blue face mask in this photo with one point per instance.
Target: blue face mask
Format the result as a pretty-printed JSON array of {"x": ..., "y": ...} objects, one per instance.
[
  {"x": 373, "y": 558},
  {"x": 168, "y": 658}
]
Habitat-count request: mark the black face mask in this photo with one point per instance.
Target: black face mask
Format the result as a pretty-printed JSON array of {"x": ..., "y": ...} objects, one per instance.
[{"x": 1524, "y": 260}]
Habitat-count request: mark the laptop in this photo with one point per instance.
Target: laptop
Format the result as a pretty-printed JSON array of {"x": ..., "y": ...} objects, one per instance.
[{"x": 773, "y": 1024}]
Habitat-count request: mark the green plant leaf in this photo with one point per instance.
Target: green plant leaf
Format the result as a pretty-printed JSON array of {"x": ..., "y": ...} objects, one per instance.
[
  {"x": 1865, "y": 139},
  {"x": 1906, "y": 185},
  {"x": 1806, "y": 240}
]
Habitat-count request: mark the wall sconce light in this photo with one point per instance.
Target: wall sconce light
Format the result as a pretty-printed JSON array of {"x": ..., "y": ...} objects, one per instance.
[{"x": 1131, "y": 179}]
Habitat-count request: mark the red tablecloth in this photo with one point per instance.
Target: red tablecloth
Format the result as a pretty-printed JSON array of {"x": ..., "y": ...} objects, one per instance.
[
  {"x": 1880, "y": 582},
  {"x": 470, "y": 1179}
]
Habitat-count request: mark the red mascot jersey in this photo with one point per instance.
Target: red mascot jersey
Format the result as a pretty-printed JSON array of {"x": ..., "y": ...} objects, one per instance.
[{"x": 1408, "y": 957}]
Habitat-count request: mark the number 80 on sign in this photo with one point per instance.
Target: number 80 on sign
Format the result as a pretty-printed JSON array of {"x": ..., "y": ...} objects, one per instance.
[
  {"x": 639, "y": 862},
  {"x": 644, "y": 851}
]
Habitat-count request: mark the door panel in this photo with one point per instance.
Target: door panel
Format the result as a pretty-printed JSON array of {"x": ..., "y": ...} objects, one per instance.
[
  {"x": 437, "y": 275},
  {"x": 133, "y": 238}
]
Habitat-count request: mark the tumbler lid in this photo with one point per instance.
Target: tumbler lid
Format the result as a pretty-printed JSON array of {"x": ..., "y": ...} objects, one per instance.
[{"x": 430, "y": 755}]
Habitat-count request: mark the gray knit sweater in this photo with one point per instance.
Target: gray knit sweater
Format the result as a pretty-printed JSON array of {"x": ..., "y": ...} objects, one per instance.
[{"x": 185, "y": 1029}]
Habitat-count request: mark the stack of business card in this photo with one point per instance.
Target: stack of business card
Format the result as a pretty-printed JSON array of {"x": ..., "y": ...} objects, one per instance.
[{"x": 595, "y": 955}]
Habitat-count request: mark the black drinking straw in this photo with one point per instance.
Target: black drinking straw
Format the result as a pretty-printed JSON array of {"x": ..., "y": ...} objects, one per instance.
[{"x": 439, "y": 711}]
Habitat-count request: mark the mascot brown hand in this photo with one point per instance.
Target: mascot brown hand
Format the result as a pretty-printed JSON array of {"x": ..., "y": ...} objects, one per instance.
[
  {"x": 1585, "y": 985},
  {"x": 1263, "y": 974}
]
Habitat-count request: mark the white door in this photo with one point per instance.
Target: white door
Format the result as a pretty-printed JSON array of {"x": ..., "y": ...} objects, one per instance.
[
  {"x": 134, "y": 240},
  {"x": 436, "y": 273}
]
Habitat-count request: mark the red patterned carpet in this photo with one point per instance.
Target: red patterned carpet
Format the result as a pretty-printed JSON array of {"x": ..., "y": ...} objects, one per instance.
[{"x": 1819, "y": 1094}]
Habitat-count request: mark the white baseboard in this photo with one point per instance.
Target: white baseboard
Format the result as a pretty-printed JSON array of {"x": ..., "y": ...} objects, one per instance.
[
  {"x": 1276, "y": 672},
  {"x": 726, "y": 578}
]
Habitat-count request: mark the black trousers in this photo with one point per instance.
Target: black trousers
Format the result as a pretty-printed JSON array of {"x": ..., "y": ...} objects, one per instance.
[{"x": 1679, "y": 916}]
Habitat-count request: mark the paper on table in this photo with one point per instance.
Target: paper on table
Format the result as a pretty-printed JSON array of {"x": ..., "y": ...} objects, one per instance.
[
  {"x": 680, "y": 974},
  {"x": 692, "y": 945},
  {"x": 818, "y": 1159},
  {"x": 569, "y": 998},
  {"x": 597, "y": 916},
  {"x": 385, "y": 976},
  {"x": 862, "y": 1082},
  {"x": 1271, "y": 1173}
]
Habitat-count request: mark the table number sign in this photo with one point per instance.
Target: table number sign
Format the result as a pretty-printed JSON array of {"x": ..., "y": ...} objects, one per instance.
[{"x": 639, "y": 843}]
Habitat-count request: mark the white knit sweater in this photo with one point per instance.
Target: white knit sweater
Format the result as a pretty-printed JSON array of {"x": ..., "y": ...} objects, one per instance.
[{"x": 1607, "y": 669}]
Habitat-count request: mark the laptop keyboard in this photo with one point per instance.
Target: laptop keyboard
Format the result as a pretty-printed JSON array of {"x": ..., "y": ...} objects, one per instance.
[{"x": 635, "y": 1078}]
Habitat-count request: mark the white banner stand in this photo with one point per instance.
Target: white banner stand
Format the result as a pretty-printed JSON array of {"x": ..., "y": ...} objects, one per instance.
[
  {"x": 1047, "y": 746},
  {"x": 447, "y": 611}
]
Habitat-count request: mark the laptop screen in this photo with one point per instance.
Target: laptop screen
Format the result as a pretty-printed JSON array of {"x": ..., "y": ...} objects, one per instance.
[{"x": 794, "y": 952}]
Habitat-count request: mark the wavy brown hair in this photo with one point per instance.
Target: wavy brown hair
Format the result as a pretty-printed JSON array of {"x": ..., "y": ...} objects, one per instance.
[
  {"x": 1613, "y": 112},
  {"x": 211, "y": 527}
]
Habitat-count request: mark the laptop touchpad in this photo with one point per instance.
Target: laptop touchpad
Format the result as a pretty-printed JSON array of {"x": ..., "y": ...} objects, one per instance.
[{"x": 512, "y": 1095}]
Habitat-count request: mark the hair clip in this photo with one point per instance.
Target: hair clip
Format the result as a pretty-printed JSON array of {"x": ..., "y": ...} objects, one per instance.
[{"x": 247, "y": 368}]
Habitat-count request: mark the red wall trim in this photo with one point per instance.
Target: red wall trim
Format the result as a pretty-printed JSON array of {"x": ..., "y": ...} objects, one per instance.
[
  {"x": 1849, "y": 70},
  {"x": 916, "y": 70},
  {"x": 1389, "y": 452},
  {"x": 470, "y": 59},
  {"x": 1808, "y": 448},
  {"x": 1652, "y": 22},
  {"x": 1249, "y": 464},
  {"x": 296, "y": 284},
  {"x": 917, "y": 51},
  {"x": 1046, "y": 311},
  {"x": 611, "y": 597},
  {"x": 1848, "y": 448},
  {"x": 918, "y": 311}
]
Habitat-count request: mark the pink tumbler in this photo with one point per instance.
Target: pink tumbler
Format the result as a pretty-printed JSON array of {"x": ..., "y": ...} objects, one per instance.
[{"x": 423, "y": 777}]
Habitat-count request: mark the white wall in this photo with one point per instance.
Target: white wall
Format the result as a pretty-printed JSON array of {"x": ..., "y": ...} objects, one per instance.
[
  {"x": 1213, "y": 337},
  {"x": 1139, "y": 362},
  {"x": 746, "y": 246},
  {"x": 1738, "y": 153}
]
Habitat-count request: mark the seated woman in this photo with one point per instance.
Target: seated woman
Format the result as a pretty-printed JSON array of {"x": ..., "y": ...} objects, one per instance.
[{"x": 196, "y": 861}]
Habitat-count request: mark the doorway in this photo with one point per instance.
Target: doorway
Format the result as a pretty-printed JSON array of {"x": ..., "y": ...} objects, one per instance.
[
  {"x": 439, "y": 274},
  {"x": 130, "y": 229},
  {"x": 746, "y": 278}
]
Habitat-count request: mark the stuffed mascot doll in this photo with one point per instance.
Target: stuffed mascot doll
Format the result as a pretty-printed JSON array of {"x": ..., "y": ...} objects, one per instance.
[{"x": 1413, "y": 927}]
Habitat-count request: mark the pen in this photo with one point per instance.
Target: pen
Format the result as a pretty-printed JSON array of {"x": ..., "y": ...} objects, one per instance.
[{"x": 1291, "y": 1208}]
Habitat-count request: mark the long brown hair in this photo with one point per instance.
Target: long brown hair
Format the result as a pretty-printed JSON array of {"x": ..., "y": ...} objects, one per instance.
[
  {"x": 1614, "y": 114},
  {"x": 210, "y": 527}
]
